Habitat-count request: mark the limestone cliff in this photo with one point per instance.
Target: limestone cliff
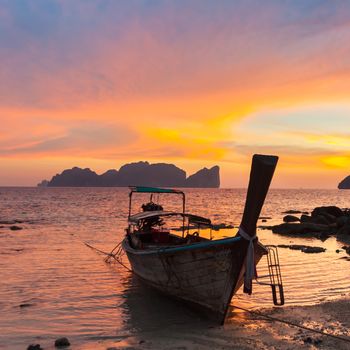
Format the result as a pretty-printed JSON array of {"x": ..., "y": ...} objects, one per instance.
[
  {"x": 139, "y": 173},
  {"x": 209, "y": 178},
  {"x": 344, "y": 184}
]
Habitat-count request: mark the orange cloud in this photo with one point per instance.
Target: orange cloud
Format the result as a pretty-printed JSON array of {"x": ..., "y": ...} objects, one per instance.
[{"x": 103, "y": 83}]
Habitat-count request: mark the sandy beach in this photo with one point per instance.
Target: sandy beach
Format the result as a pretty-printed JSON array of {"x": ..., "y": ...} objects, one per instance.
[{"x": 245, "y": 331}]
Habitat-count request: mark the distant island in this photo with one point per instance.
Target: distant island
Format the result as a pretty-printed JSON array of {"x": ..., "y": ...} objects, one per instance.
[
  {"x": 344, "y": 184},
  {"x": 139, "y": 173}
]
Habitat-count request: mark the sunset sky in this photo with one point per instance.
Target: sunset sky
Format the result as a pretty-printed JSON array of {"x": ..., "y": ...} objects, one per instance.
[{"x": 195, "y": 83}]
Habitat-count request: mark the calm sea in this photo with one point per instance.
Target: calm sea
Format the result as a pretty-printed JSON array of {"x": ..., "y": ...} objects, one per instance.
[{"x": 53, "y": 285}]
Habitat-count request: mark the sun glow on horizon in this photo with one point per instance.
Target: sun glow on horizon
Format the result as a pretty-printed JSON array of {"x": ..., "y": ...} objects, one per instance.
[
  {"x": 198, "y": 89},
  {"x": 342, "y": 162}
]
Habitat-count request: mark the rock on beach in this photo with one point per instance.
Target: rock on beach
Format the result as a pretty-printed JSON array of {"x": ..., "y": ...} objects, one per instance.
[
  {"x": 323, "y": 222},
  {"x": 62, "y": 342},
  {"x": 291, "y": 218},
  {"x": 298, "y": 228},
  {"x": 34, "y": 347},
  {"x": 347, "y": 249},
  {"x": 15, "y": 228},
  {"x": 292, "y": 211},
  {"x": 303, "y": 248},
  {"x": 329, "y": 210}
]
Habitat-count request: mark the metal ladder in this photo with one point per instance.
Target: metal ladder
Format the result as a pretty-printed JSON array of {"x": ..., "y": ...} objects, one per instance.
[{"x": 274, "y": 275}]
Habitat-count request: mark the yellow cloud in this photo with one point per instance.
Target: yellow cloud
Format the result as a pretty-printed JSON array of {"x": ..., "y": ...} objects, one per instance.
[
  {"x": 336, "y": 161},
  {"x": 168, "y": 135}
]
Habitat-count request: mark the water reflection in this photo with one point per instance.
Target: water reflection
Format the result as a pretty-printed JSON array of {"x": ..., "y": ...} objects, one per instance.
[{"x": 145, "y": 309}]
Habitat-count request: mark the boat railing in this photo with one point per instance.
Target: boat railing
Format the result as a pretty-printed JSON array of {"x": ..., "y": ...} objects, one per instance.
[{"x": 273, "y": 276}]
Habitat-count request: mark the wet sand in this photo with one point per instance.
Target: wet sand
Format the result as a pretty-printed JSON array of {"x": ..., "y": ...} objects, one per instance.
[{"x": 246, "y": 331}]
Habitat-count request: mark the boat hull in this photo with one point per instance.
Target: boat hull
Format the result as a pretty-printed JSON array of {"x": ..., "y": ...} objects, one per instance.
[{"x": 207, "y": 274}]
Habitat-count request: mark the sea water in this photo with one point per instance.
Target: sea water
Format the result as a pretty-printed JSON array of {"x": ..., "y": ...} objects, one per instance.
[{"x": 52, "y": 284}]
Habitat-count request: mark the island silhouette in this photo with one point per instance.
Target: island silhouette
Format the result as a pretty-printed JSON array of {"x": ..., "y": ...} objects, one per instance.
[
  {"x": 138, "y": 173},
  {"x": 344, "y": 184}
]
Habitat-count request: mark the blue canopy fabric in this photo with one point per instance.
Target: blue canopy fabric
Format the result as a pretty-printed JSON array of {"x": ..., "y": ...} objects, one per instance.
[{"x": 144, "y": 189}]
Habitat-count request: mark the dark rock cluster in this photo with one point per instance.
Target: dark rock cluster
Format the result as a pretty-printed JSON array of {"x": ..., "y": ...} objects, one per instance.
[
  {"x": 15, "y": 228},
  {"x": 10, "y": 224},
  {"x": 59, "y": 343},
  {"x": 34, "y": 347},
  {"x": 62, "y": 342},
  {"x": 140, "y": 173},
  {"x": 323, "y": 222},
  {"x": 347, "y": 249}
]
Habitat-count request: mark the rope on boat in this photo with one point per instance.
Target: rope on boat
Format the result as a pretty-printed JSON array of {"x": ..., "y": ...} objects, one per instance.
[
  {"x": 290, "y": 323},
  {"x": 250, "y": 271},
  {"x": 116, "y": 256}
]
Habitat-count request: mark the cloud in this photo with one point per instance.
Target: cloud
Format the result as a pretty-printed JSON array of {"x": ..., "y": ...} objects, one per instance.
[
  {"x": 57, "y": 53},
  {"x": 306, "y": 136},
  {"x": 84, "y": 140},
  {"x": 109, "y": 79},
  {"x": 282, "y": 150},
  {"x": 322, "y": 126}
]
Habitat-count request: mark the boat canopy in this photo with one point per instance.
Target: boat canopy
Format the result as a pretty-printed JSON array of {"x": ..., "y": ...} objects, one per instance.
[
  {"x": 192, "y": 219},
  {"x": 144, "y": 189},
  {"x": 152, "y": 190}
]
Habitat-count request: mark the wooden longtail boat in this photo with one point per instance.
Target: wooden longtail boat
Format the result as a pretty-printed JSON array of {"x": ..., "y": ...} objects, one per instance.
[{"x": 193, "y": 268}]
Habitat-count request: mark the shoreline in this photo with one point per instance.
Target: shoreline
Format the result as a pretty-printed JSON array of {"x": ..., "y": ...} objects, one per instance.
[
  {"x": 242, "y": 331},
  {"x": 245, "y": 331}
]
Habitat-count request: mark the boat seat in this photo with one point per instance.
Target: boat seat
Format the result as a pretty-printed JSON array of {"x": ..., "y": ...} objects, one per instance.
[
  {"x": 154, "y": 236},
  {"x": 160, "y": 236}
]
